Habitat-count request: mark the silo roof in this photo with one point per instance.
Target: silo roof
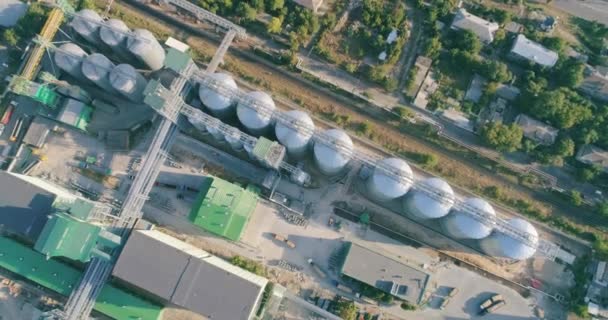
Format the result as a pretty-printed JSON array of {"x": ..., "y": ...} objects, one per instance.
[
  {"x": 328, "y": 153},
  {"x": 438, "y": 204},
  {"x": 252, "y": 118},
  {"x": 213, "y": 99},
  {"x": 515, "y": 248},
  {"x": 96, "y": 66},
  {"x": 110, "y": 36},
  {"x": 294, "y": 137},
  {"x": 470, "y": 226},
  {"x": 396, "y": 182}
]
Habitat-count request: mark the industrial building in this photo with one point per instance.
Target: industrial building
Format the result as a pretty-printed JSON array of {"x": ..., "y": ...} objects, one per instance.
[
  {"x": 62, "y": 278},
  {"x": 223, "y": 208},
  {"x": 174, "y": 271},
  {"x": 528, "y": 50},
  {"x": 484, "y": 29},
  {"x": 381, "y": 272}
]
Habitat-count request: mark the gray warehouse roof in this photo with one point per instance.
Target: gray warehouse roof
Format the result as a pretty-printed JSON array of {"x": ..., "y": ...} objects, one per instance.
[
  {"x": 23, "y": 206},
  {"x": 484, "y": 29},
  {"x": 534, "y": 52},
  {"x": 384, "y": 273},
  {"x": 189, "y": 277},
  {"x": 38, "y": 131}
]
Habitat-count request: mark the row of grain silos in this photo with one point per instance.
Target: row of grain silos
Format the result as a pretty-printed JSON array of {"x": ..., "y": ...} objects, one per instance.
[
  {"x": 433, "y": 199},
  {"x": 99, "y": 70},
  {"x": 113, "y": 34}
]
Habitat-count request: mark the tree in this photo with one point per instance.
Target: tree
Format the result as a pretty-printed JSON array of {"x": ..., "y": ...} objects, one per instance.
[
  {"x": 346, "y": 310},
  {"x": 432, "y": 47},
  {"x": 86, "y": 4},
  {"x": 602, "y": 209},
  {"x": 570, "y": 73},
  {"x": 9, "y": 36},
  {"x": 555, "y": 44},
  {"x": 467, "y": 41},
  {"x": 274, "y": 26},
  {"x": 576, "y": 198},
  {"x": 275, "y": 5},
  {"x": 499, "y": 36},
  {"x": 563, "y": 108},
  {"x": 495, "y": 71},
  {"x": 501, "y": 136},
  {"x": 564, "y": 147},
  {"x": 246, "y": 12},
  {"x": 533, "y": 85}
]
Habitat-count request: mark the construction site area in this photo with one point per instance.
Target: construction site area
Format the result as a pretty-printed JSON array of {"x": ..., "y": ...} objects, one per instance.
[{"x": 153, "y": 187}]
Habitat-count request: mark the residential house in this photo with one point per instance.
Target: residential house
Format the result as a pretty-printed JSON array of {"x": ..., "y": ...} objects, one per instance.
[
  {"x": 484, "y": 29},
  {"x": 593, "y": 155},
  {"x": 422, "y": 65},
  {"x": 528, "y": 50},
  {"x": 313, "y": 5},
  {"x": 536, "y": 130},
  {"x": 595, "y": 83}
]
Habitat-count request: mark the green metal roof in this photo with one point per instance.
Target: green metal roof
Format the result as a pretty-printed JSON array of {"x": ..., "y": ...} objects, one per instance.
[
  {"x": 176, "y": 60},
  {"x": 65, "y": 236},
  {"x": 47, "y": 96},
  {"x": 61, "y": 278},
  {"x": 223, "y": 208},
  {"x": 80, "y": 208}
]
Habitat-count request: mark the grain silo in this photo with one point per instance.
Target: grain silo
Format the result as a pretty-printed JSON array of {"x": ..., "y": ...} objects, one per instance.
[
  {"x": 214, "y": 128},
  {"x": 86, "y": 23},
  {"x": 198, "y": 124},
  {"x": 146, "y": 48},
  {"x": 391, "y": 179},
  {"x": 257, "y": 121},
  {"x": 474, "y": 219},
  {"x": 432, "y": 198},
  {"x": 220, "y": 105},
  {"x": 329, "y": 160},
  {"x": 113, "y": 33},
  {"x": 506, "y": 245},
  {"x": 128, "y": 82},
  {"x": 296, "y": 134},
  {"x": 69, "y": 58},
  {"x": 96, "y": 67},
  {"x": 233, "y": 137}
]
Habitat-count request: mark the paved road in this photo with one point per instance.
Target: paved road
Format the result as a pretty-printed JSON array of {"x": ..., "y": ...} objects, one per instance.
[{"x": 596, "y": 10}]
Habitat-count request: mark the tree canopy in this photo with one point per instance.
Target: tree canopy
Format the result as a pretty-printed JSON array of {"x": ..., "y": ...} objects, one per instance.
[
  {"x": 495, "y": 71},
  {"x": 467, "y": 41},
  {"x": 274, "y": 26},
  {"x": 346, "y": 310},
  {"x": 501, "y": 136},
  {"x": 570, "y": 73},
  {"x": 562, "y": 107}
]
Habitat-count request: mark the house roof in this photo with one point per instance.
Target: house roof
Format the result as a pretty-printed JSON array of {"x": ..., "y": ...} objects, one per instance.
[
  {"x": 384, "y": 273},
  {"x": 534, "y": 52},
  {"x": 595, "y": 83},
  {"x": 593, "y": 155},
  {"x": 484, "y": 29},
  {"x": 536, "y": 130},
  {"x": 188, "y": 277}
]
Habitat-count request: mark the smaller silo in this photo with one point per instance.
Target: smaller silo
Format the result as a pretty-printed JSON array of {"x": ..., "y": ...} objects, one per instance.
[
  {"x": 69, "y": 58},
  {"x": 113, "y": 33},
  {"x": 233, "y": 137},
  {"x": 214, "y": 128},
  {"x": 255, "y": 120},
  {"x": 97, "y": 67},
  {"x": 198, "y": 124},
  {"x": 146, "y": 48},
  {"x": 295, "y": 131},
  {"x": 220, "y": 105},
  {"x": 87, "y": 23},
  {"x": 328, "y": 157},
  {"x": 128, "y": 82},
  {"x": 511, "y": 245},
  {"x": 474, "y": 219},
  {"x": 391, "y": 179},
  {"x": 432, "y": 198}
]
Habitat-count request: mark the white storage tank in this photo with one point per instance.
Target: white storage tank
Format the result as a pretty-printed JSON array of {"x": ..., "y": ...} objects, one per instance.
[
  {"x": 220, "y": 106},
  {"x": 256, "y": 122},
  {"x": 214, "y": 128},
  {"x": 296, "y": 137},
  {"x": 198, "y": 124},
  {"x": 96, "y": 68},
  {"x": 432, "y": 198},
  {"x": 69, "y": 58},
  {"x": 86, "y": 23},
  {"x": 113, "y": 33},
  {"x": 128, "y": 82},
  {"x": 329, "y": 160},
  {"x": 233, "y": 137},
  {"x": 391, "y": 179},
  {"x": 146, "y": 48},
  {"x": 474, "y": 219},
  {"x": 499, "y": 244}
]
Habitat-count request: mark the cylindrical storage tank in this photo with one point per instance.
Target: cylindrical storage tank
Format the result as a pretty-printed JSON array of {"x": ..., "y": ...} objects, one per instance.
[
  {"x": 69, "y": 58},
  {"x": 255, "y": 121},
  {"x": 87, "y": 23},
  {"x": 296, "y": 135},
  {"x": 500, "y": 244},
  {"x": 199, "y": 125},
  {"x": 329, "y": 160},
  {"x": 391, "y": 179},
  {"x": 219, "y": 105},
  {"x": 96, "y": 67},
  {"x": 233, "y": 137},
  {"x": 432, "y": 198},
  {"x": 126, "y": 80},
  {"x": 473, "y": 220},
  {"x": 213, "y": 127},
  {"x": 146, "y": 48},
  {"x": 113, "y": 34}
]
